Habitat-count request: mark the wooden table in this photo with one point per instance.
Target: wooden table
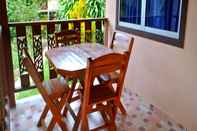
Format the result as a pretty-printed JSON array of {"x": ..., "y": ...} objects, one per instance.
[{"x": 71, "y": 61}]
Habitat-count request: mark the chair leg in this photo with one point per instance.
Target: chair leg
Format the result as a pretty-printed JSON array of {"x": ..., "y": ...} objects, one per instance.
[
  {"x": 60, "y": 122},
  {"x": 77, "y": 121},
  {"x": 43, "y": 115},
  {"x": 56, "y": 112},
  {"x": 114, "y": 111},
  {"x": 70, "y": 97},
  {"x": 122, "y": 109},
  {"x": 78, "y": 118},
  {"x": 59, "y": 119},
  {"x": 84, "y": 125},
  {"x": 63, "y": 125},
  {"x": 110, "y": 128},
  {"x": 51, "y": 125}
]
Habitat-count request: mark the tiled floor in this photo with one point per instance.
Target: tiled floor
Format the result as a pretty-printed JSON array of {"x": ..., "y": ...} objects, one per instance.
[{"x": 141, "y": 116}]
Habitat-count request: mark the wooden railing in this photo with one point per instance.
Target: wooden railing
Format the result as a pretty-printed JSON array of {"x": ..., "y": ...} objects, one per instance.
[{"x": 37, "y": 35}]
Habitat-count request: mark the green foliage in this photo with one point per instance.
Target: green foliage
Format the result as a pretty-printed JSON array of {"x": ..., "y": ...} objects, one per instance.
[
  {"x": 74, "y": 9},
  {"x": 95, "y": 8},
  {"x": 65, "y": 7},
  {"x": 24, "y": 10},
  {"x": 79, "y": 10}
]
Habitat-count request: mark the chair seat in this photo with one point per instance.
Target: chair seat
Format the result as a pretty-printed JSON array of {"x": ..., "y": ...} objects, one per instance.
[
  {"x": 101, "y": 93},
  {"x": 111, "y": 76},
  {"x": 55, "y": 87}
]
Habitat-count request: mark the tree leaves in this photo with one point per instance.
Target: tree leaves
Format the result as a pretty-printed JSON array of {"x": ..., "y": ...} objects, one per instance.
[
  {"x": 23, "y": 10},
  {"x": 77, "y": 9},
  {"x": 95, "y": 8},
  {"x": 28, "y": 10}
]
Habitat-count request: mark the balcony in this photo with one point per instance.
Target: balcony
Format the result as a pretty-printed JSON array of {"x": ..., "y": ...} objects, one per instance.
[
  {"x": 39, "y": 37},
  {"x": 158, "y": 73}
]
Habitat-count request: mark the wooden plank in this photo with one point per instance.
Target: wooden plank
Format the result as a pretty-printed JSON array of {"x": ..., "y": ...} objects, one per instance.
[
  {"x": 51, "y": 44},
  {"x": 50, "y": 35},
  {"x": 36, "y": 29},
  {"x": 21, "y": 44},
  {"x": 98, "y": 24},
  {"x": 50, "y": 28},
  {"x": 37, "y": 48},
  {"x": 64, "y": 26},
  {"x": 21, "y": 30},
  {"x": 106, "y": 29},
  {"x": 66, "y": 38},
  {"x": 88, "y": 33},
  {"x": 77, "y": 25}
]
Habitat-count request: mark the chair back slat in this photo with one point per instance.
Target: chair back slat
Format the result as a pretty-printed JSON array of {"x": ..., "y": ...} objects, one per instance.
[
  {"x": 67, "y": 37},
  {"x": 108, "y": 63},
  {"x": 122, "y": 42}
]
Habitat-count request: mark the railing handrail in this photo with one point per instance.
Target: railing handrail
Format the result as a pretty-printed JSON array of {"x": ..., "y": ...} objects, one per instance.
[{"x": 11, "y": 24}]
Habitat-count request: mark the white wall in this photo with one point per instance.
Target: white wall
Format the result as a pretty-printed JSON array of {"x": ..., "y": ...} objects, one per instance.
[{"x": 164, "y": 75}]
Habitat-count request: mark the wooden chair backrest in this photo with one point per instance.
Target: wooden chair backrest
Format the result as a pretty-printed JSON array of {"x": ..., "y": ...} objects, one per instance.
[
  {"x": 122, "y": 42},
  {"x": 31, "y": 69},
  {"x": 65, "y": 38},
  {"x": 106, "y": 64}
]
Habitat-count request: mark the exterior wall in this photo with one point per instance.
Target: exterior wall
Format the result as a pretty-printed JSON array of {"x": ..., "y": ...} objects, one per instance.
[{"x": 164, "y": 75}]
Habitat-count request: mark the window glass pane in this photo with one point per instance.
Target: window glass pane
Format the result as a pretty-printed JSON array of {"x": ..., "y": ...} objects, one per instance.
[
  {"x": 163, "y": 14},
  {"x": 130, "y": 11}
]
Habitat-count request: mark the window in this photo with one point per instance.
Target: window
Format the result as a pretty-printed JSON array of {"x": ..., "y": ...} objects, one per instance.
[
  {"x": 130, "y": 11},
  {"x": 161, "y": 20}
]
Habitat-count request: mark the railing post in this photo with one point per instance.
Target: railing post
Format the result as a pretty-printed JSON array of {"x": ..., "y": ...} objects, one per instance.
[
  {"x": 88, "y": 28},
  {"x": 37, "y": 48},
  {"x": 8, "y": 73},
  {"x": 106, "y": 28}
]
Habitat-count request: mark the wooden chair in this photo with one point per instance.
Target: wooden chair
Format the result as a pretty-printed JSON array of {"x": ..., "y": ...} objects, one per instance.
[
  {"x": 54, "y": 92},
  {"x": 66, "y": 38},
  {"x": 120, "y": 43},
  {"x": 94, "y": 96}
]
